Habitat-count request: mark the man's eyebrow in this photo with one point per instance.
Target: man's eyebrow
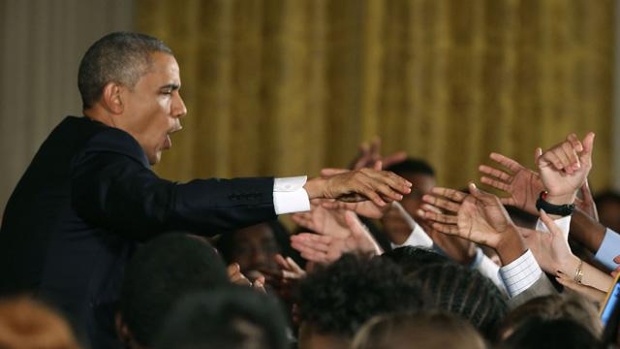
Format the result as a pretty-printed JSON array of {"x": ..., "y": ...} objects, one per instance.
[{"x": 172, "y": 87}]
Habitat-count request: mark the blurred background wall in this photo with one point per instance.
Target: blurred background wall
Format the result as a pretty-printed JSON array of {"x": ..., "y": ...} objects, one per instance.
[{"x": 285, "y": 87}]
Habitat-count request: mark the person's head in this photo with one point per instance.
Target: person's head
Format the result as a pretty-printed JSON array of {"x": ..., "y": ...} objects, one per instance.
[
  {"x": 232, "y": 317},
  {"x": 29, "y": 324},
  {"x": 335, "y": 300},
  {"x": 421, "y": 175},
  {"x": 131, "y": 81},
  {"x": 572, "y": 307},
  {"x": 429, "y": 330},
  {"x": 410, "y": 259},
  {"x": 254, "y": 247},
  {"x": 608, "y": 208},
  {"x": 537, "y": 333},
  {"x": 160, "y": 273},
  {"x": 455, "y": 289}
]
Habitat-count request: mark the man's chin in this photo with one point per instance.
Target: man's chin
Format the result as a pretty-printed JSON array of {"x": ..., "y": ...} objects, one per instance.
[{"x": 154, "y": 159}]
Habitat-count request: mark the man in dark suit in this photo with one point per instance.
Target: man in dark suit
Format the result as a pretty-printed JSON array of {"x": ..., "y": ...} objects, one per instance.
[{"x": 89, "y": 194}]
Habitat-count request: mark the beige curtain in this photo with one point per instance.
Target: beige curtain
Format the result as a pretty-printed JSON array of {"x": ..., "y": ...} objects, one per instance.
[
  {"x": 283, "y": 87},
  {"x": 41, "y": 44}
]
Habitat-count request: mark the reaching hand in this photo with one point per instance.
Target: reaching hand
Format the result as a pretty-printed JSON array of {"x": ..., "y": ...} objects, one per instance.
[
  {"x": 565, "y": 167},
  {"x": 523, "y": 184},
  {"x": 364, "y": 208},
  {"x": 364, "y": 184},
  {"x": 326, "y": 249},
  {"x": 480, "y": 217},
  {"x": 370, "y": 154},
  {"x": 323, "y": 221},
  {"x": 551, "y": 248},
  {"x": 283, "y": 279},
  {"x": 236, "y": 277}
]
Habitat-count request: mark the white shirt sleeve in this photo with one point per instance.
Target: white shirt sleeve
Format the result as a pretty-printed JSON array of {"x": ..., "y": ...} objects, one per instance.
[
  {"x": 486, "y": 267},
  {"x": 521, "y": 274},
  {"x": 563, "y": 223},
  {"x": 289, "y": 195},
  {"x": 610, "y": 248},
  {"x": 417, "y": 238}
]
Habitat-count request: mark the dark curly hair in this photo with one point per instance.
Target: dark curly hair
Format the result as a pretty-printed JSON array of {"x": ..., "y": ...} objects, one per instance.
[
  {"x": 411, "y": 259},
  {"x": 337, "y": 299},
  {"x": 465, "y": 292}
]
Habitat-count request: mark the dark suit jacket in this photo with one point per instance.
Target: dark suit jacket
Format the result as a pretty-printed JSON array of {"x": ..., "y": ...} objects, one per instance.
[{"x": 85, "y": 200}]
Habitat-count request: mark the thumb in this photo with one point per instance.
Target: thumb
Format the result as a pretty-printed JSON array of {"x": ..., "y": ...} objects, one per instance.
[
  {"x": 550, "y": 224},
  {"x": 537, "y": 154},
  {"x": 588, "y": 146}
]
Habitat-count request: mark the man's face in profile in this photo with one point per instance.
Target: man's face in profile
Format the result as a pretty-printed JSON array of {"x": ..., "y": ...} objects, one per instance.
[{"x": 153, "y": 107}]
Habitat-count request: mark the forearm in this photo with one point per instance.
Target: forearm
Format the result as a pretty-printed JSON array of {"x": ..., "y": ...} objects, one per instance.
[
  {"x": 584, "y": 273},
  {"x": 586, "y": 230}
]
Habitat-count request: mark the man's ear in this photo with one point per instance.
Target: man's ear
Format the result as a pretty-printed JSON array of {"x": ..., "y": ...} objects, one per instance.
[{"x": 112, "y": 98}]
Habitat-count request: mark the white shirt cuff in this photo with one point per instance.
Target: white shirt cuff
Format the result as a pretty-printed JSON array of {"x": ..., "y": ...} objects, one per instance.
[
  {"x": 610, "y": 248},
  {"x": 562, "y": 223},
  {"x": 289, "y": 195},
  {"x": 521, "y": 274},
  {"x": 417, "y": 238},
  {"x": 489, "y": 269}
]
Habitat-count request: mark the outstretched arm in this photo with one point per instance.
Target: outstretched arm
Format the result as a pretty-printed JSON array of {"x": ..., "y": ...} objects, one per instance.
[{"x": 479, "y": 217}]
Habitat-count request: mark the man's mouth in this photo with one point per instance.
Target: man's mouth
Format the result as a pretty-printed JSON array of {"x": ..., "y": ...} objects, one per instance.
[{"x": 168, "y": 140}]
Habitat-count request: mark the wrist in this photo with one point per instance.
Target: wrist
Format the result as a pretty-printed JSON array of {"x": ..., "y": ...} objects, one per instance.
[
  {"x": 560, "y": 199},
  {"x": 555, "y": 206},
  {"x": 314, "y": 187},
  {"x": 569, "y": 265},
  {"x": 511, "y": 246}
]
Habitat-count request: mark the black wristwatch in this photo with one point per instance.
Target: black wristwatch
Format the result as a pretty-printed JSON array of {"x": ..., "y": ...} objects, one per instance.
[{"x": 560, "y": 210}]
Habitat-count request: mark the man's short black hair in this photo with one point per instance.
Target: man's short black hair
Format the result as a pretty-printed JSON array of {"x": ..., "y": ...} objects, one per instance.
[
  {"x": 412, "y": 166},
  {"x": 120, "y": 57},
  {"x": 465, "y": 292},
  {"x": 160, "y": 273},
  {"x": 232, "y": 317},
  {"x": 337, "y": 299}
]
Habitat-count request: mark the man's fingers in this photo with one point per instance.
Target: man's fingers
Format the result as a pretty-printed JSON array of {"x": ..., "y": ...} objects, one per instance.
[
  {"x": 328, "y": 172},
  {"x": 438, "y": 217},
  {"x": 493, "y": 172},
  {"x": 588, "y": 145},
  {"x": 452, "y": 194},
  {"x": 505, "y": 161},
  {"x": 495, "y": 184}
]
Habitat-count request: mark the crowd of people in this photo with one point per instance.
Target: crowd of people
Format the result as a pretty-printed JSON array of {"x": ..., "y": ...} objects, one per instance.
[{"x": 97, "y": 251}]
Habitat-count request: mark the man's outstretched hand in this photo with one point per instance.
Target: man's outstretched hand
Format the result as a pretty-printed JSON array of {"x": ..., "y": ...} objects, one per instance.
[{"x": 381, "y": 187}]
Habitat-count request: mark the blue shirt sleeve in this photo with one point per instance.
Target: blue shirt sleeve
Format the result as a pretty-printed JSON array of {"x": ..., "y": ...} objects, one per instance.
[{"x": 609, "y": 249}]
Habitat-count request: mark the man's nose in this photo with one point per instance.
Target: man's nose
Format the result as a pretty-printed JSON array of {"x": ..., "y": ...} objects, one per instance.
[{"x": 178, "y": 107}]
